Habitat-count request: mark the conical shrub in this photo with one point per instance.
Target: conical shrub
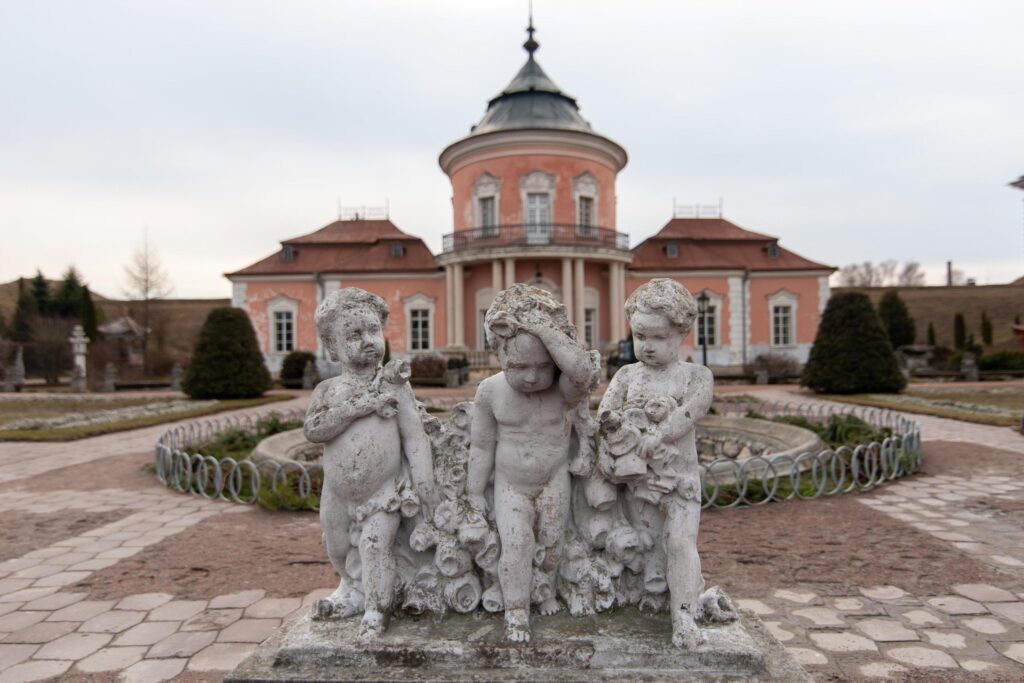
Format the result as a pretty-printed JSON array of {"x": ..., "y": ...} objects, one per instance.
[
  {"x": 227, "y": 362},
  {"x": 851, "y": 352}
]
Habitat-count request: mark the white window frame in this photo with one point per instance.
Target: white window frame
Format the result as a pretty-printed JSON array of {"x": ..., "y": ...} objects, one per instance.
[
  {"x": 592, "y": 302},
  {"x": 780, "y": 299},
  {"x": 281, "y": 304},
  {"x": 420, "y": 302},
  {"x": 585, "y": 186},
  {"x": 486, "y": 186},
  {"x": 537, "y": 182}
]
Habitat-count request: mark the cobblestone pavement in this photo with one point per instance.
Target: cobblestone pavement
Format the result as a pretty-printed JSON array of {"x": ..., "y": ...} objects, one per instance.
[{"x": 50, "y": 627}]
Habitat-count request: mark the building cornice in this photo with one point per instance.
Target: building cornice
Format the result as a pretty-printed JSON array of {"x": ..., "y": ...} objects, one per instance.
[
  {"x": 461, "y": 151},
  {"x": 488, "y": 254}
]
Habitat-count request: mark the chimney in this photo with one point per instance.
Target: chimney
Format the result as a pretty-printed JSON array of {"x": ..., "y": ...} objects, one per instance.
[{"x": 949, "y": 273}]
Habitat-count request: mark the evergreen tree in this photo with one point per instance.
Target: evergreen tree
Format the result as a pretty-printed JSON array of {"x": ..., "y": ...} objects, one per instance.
[
  {"x": 25, "y": 314},
  {"x": 851, "y": 351},
  {"x": 67, "y": 301},
  {"x": 41, "y": 292},
  {"x": 896, "y": 320},
  {"x": 931, "y": 334},
  {"x": 986, "y": 329},
  {"x": 87, "y": 316},
  {"x": 227, "y": 362},
  {"x": 959, "y": 331}
]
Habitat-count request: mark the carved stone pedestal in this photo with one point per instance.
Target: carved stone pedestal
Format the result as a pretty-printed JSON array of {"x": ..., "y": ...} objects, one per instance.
[{"x": 623, "y": 645}]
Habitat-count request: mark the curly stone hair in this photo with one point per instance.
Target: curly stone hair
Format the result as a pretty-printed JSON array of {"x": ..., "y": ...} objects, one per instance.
[
  {"x": 523, "y": 304},
  {"x": 340, "y": 302},
  {"x": 664, "y": 297}
]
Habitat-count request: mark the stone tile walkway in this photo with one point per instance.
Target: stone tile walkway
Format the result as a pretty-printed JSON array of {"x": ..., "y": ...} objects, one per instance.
[{"x": 49, "y": 629}]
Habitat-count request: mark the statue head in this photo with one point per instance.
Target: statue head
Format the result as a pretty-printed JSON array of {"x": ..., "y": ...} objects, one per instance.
[
  {"x": 350, "y": 323},
  {"x": 524, "y": 359},
  {"x": 661, "y": 313}
]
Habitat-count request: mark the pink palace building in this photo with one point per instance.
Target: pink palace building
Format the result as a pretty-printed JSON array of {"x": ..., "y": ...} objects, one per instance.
[{"x": 533, "y": 192}]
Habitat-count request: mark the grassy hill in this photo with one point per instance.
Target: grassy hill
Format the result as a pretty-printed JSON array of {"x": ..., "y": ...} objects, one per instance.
[{"x": 939, "y": 305}]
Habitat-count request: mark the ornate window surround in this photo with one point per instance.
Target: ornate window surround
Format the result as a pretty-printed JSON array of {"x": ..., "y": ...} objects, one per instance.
[
  {"x": 536, "y": 182},
  {"x": 282, "y": 304},
  {"x": 783, "y": 297},
  {"x": 486, "y": 186},
  {"x": 419, "y": 301},
  {"x": 585, "y": 185}
]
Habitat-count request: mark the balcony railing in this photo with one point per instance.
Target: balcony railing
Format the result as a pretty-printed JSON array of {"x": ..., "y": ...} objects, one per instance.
[{"x": 535, "y": 234}]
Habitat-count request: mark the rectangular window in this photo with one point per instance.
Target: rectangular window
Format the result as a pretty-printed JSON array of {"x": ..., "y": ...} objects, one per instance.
[
  {"x": 710, "y": 320},
  {"x": 284, "y": 331},
  {"x": 590, "y": 327},
  {"x": 488, "y": 216},
  {"x": 585, "y": 217},
  {"x": 782, "y": 325},
  {"x": 538, "y": 208},
  {"x": 419, "y": 329}
]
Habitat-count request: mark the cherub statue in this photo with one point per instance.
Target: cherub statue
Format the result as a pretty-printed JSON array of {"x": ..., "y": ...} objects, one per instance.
[
  {"x": 522, "y": 422},
  {"x": 674, "y": 395},
  {"x": 374, "y": 442}
]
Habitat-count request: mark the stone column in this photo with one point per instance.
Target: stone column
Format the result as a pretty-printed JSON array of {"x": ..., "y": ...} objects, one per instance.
[
  {"x": 449, "y": 306},
  {"x": 496, "y": 276},
  {"x": 79, "y": 343},
  {"x": 460, "y": 308},
  {"x": 567, "y": 288},
  {"x": 620, "y": 300},
  {"x": 578, "y": 298},
  {"x": 614, "y": 307},
  {"x": 510, "y": 272}
]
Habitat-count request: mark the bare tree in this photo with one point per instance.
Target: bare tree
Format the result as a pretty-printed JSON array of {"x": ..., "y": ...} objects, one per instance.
[
  {"x": 146, "y": 280},
  {"x": 911, "y": 275}
]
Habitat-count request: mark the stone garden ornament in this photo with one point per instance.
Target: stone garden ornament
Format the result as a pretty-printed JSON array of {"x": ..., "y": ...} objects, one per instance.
[{"x": 522, "y": 500}]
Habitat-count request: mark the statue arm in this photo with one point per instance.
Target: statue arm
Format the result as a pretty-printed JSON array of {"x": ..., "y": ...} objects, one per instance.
[
  {"x": 578, "y": 375},
  {"x": 615, "y": 395},
  {"x": 416, "y": 446},
  {"x": 695, "y": 406},
  {"x": 483, "y": 441},
  {"x": 324, "y": 422}
]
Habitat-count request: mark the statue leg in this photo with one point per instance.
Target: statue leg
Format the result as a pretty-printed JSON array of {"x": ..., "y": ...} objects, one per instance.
[
  {"x": 552, "y": 515},
  {"x": 378, "y": 566},
  {"x": 685, "y": 582},
  {"x": 515, "y": 516},
  {"x": 347, "y": 600}
]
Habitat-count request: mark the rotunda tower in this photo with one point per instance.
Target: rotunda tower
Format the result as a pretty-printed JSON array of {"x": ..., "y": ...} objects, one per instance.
[{"x": 533, "y": 194}]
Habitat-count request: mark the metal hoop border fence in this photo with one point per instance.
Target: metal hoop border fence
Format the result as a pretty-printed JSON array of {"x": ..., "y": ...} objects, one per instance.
[
  {"x": 180, "y": 466},
  {"x": 847, "y": 469}
]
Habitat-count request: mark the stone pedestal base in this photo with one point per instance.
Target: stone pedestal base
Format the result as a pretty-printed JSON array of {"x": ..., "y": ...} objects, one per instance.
[{"x": 623, "y": 645}]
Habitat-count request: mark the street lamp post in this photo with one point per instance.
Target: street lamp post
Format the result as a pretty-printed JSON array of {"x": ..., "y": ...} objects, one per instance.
[{"x": 702, "y": 310}]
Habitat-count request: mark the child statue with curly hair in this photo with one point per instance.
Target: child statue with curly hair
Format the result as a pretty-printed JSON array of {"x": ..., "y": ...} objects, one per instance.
[
  {"x": 661, "y": 313},
  {"x": 368, "y": 420},
  {"x": 522, "y": 419}
]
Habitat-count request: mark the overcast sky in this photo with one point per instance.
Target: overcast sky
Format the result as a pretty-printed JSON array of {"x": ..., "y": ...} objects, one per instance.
[{"x": 852, "y": 130}]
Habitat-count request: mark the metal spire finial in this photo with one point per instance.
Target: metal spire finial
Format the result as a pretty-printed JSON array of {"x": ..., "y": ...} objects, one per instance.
[{"x": 531, "y": 45}]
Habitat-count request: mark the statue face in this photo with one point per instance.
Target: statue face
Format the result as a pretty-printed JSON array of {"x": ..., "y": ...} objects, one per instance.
[
  {"x": 359, "y": 339},
  {"x": 656, "y": 339},
  {"x": 527, "y": 364}
]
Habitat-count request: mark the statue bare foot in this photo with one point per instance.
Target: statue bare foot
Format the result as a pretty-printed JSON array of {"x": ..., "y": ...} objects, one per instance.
[
  {"x": 549, "y": 607},
  {"x": 517, "y": 625},
  {"x": 346, "y": 601},
  {"x": 372, "y": 625},
  {"x": 685, "y": 632}
]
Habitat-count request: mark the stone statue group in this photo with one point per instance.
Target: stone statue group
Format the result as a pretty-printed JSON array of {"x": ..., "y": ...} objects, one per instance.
[{"x": 522, "y": 500}]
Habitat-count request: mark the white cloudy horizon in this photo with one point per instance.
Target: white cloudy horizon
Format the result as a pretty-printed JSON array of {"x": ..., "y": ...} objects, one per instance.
[{"x": 852, "y": 131}]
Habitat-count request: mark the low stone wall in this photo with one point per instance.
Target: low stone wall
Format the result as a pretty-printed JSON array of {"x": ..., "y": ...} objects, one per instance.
[{"x": 741, "y": 438}]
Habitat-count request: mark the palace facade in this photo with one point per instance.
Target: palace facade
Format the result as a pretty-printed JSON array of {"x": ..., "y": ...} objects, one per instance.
[{"x": 534, "y": 197}]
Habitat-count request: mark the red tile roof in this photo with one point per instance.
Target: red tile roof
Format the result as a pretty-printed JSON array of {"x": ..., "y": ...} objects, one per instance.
[
  {"x": 716, "y": 244},
  {"x": 359, "y": 246}
]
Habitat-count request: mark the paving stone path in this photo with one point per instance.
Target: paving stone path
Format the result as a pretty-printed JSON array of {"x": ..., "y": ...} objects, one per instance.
[{"x": 48, "y": 629}]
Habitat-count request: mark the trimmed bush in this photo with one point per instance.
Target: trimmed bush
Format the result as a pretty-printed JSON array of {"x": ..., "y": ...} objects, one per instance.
[
  {"x": 1002, "y": 360},
  {"x": 294, "y": 367},
  {"x": 896, "y": 320},
  {"x": 227, "y": 362},
  {"x": 851, "y": 352},
  {"x": 428, "y": 366}
]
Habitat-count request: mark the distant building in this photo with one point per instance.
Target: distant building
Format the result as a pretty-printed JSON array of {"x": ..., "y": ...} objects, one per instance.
[{"x": 534, "y": 198}]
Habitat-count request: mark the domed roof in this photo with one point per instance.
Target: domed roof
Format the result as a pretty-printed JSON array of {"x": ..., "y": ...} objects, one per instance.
[{"x": 531, "y": 100}]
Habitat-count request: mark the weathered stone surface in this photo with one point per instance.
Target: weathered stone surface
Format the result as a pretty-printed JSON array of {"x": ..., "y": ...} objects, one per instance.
[
  {"x": 843, "y": 642},
  {"x": 952, "y": 604},
  {"x": 617, "y": 646},
  {"x": 983, "y": 592},
  {"x": 924, "y": 657},
  {"x": 885, "y": 630}
]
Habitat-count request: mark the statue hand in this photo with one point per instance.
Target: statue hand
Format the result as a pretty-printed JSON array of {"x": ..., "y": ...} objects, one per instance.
[{"x": 387, "y": 407}]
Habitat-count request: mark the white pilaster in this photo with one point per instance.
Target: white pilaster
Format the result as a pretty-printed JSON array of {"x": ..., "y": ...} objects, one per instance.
[
  {"x": 449, "y": 306},
  {"x": 577, "y": 287},
  {"x": 510, "y": 272},
  {"x": 460, "y": 307},
  {"x": 736, "y": 309},
  {"x": 567, "y": 288},
  {"x": 496, "y": 275}
]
